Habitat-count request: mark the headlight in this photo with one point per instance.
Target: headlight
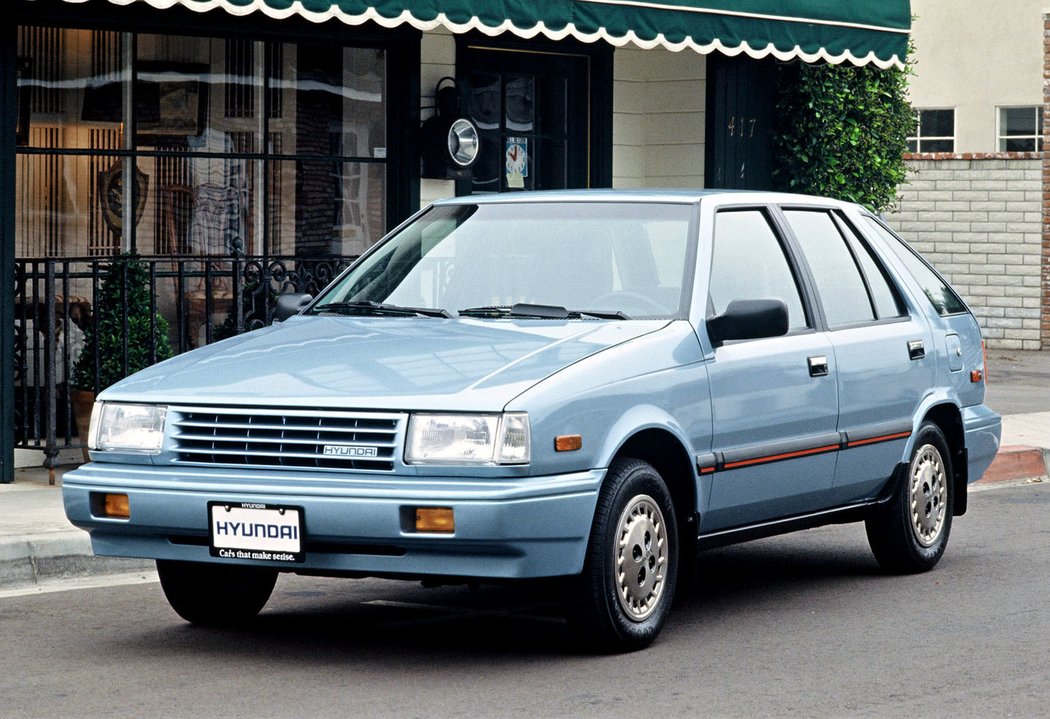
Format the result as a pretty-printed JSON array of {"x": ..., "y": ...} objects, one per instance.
[
  {"x": 127, "y": 427},
  {"x": 468, "y": 439}
]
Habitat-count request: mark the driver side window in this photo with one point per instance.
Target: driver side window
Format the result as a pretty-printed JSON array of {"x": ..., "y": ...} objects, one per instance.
[{"x": 749, "y": 264}]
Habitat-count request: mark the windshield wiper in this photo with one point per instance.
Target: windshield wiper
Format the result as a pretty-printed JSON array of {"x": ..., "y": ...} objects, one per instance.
[
  {"x": 603, "y": 314},
  {"x": 367, "y": 307},
  {"x": 539, "y": 312}
]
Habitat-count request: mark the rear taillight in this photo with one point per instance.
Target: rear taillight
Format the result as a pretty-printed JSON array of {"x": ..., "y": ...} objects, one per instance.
[{"x": 983, "y": 375}]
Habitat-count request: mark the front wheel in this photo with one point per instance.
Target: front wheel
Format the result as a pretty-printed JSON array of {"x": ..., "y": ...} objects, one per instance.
[
  {"x": 910, "y": 533},
  {"x": 631, "y": 568},
  {"x": 215, "y": 594}
]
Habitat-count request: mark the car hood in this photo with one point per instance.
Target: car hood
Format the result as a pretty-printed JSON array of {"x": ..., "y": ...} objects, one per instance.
[{"x": 378, "y": 363}]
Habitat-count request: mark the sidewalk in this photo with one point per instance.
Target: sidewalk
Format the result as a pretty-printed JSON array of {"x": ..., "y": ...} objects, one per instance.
[
  {"x": 37, "y": 542},
  {"x": 38, "y": 545},
  {"x": 1019, "y": 390}
]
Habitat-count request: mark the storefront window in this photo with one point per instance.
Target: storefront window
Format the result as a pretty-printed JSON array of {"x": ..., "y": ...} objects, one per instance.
[
  {"x": 326, "y": 207},
  {"x": 174, "y": 162}
]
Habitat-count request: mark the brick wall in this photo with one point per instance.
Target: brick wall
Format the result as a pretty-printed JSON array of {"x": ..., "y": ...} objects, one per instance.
[{"x": 978, "y": 219}]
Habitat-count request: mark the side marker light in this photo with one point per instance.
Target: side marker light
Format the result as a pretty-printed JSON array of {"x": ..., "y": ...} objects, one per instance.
[{"x": 568, "y": 443}]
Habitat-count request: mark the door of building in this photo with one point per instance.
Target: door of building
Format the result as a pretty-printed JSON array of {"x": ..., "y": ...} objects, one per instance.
[
  {"x": 544, "y": 116},
  {"x": 741, "y": 102}
]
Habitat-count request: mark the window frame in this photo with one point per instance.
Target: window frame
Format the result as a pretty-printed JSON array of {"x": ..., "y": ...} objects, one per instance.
[
  {"x": 812, "y": 316},
  {"x": 402, "y": 50},
  {"x": 845, "y": 228},
  {"x": 1037, "y": 137},
  {"x": 918, "y": 138}
]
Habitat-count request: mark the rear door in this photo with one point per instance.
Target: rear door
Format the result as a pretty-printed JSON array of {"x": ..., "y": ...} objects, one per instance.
[
  {"x": 883, "y": 348},
  {"x": 774, "y": 400}
]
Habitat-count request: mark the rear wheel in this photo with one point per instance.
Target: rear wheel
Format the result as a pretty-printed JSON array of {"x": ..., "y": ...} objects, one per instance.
[
  {"x": 629, "y": 576},
  {"x": 215, "y": 594},
  {"x": 911, "y": 532}
]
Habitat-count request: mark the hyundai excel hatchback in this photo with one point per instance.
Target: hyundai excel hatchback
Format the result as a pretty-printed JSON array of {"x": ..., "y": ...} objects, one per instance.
[{"x": 589, "y": 385}]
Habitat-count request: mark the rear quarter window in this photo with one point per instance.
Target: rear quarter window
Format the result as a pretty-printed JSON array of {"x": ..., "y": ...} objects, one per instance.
[{"x": 937, "y": 291}]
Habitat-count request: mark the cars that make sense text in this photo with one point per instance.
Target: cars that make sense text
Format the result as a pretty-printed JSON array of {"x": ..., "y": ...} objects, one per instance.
[{"x": 589, "y": 385}]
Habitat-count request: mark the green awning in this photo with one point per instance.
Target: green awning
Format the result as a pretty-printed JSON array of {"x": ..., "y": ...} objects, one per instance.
[{"x": 856, "y": 31}]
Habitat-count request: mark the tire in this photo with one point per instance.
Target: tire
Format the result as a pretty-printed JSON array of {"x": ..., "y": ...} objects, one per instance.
[
  {"x": 910, "y": 533},
  {"x": 215, "y": 594},
  {"x": 634, "y": 527}
]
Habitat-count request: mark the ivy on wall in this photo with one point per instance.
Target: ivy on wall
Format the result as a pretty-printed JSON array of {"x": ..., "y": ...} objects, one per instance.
[{"x": 842, "y": 132}]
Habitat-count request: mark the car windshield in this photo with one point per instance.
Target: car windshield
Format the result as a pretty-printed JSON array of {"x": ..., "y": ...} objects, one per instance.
[{"x": 556, "y": 260}]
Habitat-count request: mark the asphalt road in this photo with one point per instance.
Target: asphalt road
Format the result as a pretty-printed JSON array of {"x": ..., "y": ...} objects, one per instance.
[
  {"x": 802, "y": 625},
  {"x": 1018, "y": 382}
]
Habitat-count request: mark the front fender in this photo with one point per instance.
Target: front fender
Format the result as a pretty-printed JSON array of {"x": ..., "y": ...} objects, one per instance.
[{"x": 636, "y": 420}]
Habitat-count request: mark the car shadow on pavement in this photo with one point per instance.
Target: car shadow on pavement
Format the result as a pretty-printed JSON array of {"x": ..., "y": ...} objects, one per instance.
[
  {"x": 775, "y": 571},
  {"x": 388, "y": 626},
  {"x": 390, "y": 622}
]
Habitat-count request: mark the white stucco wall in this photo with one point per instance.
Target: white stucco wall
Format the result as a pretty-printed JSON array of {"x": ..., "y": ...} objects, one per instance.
[
  {"x": 658, "y": 118},
  {"x": 975, "y": 56},
  {"x": 438, "y": 55}
]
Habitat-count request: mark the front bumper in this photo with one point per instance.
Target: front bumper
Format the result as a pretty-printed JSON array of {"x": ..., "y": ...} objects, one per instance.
[{"x": 505, "y": 528}]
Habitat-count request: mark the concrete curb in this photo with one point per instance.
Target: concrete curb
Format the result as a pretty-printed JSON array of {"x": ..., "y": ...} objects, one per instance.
[
  {"x": 56, "y": 556},
  {"x": 1016, "y": 462}
]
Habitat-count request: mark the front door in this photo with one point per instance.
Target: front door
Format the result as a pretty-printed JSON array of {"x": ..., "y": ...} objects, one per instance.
[
  {"x": 540, "y": 120},
  {"x": 774, "y": 400}
]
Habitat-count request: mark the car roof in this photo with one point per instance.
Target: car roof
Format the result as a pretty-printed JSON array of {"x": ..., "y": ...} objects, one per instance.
[{"x": 642, "y": 195}]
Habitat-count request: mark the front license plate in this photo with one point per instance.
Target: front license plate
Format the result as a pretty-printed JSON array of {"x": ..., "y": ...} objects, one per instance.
[{"x": 252, "y": 531}]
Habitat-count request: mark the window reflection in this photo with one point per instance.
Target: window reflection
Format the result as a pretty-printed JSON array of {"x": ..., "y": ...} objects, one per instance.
[{"x": 240, "y": 146}]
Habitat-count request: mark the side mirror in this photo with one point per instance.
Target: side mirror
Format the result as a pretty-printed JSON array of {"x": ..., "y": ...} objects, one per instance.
[
  {"x": 289, "y": 305},
  {"x": 748, "y": 320}
]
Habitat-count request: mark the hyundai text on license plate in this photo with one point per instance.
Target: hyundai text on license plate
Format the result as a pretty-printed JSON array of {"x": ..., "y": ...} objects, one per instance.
[{"x": 252, "y": 531}]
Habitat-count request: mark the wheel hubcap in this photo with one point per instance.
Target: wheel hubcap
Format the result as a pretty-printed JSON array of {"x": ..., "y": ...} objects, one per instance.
[
  {"x": 929, "y": 495},
  {"x": 640, "y": 557}
]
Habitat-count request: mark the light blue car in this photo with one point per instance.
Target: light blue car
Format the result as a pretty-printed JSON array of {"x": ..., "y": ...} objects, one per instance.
[{"x": 590, "y": 385}]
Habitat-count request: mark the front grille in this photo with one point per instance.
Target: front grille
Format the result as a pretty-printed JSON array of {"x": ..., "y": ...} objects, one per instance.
[{"x": 289, "y": 438}]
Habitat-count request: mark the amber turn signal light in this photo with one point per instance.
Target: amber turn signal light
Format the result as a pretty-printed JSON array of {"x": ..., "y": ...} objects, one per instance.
[
  {"x": 435, "y": 519},
  {"x": 111, "y": 506},
  {"x": 568, "y": 443}
]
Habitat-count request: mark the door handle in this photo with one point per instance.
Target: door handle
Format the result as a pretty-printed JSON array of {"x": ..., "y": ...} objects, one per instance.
[
  {"x": 818, "y": 366},
  {"x": 916, "y": 349}
]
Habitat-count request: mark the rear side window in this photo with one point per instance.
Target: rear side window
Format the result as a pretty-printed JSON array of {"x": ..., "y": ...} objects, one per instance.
[
  {"x": 843, "y": 293},
  {"x": 884, "y": 293},
  {"x": 943, "y": 297},
  {"x": 749, "y": 264}
]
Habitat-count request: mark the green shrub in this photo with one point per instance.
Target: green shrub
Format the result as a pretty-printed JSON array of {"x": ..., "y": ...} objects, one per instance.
[
  {"x": 842, "y": 132},
  {"x": 144, "y": 333}
]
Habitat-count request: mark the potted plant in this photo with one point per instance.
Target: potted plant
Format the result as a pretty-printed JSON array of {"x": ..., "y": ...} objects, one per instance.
[{"x": 127, "y": 335}]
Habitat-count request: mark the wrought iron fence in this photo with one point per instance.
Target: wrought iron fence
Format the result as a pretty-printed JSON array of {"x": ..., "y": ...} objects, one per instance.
[{"x": 202, "y": 300}]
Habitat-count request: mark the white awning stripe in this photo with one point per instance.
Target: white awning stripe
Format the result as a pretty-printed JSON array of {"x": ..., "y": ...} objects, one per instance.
[
  {"x": 751, "y": 15},
  {"x": 540, "y": 29}
]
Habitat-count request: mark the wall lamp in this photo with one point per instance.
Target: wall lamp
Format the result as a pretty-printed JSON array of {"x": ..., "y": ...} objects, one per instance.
[{"x": 450, "y": 142}]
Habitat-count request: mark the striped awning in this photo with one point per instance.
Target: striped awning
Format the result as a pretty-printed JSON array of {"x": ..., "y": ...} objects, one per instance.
[{"x": 857, "y": 31}]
